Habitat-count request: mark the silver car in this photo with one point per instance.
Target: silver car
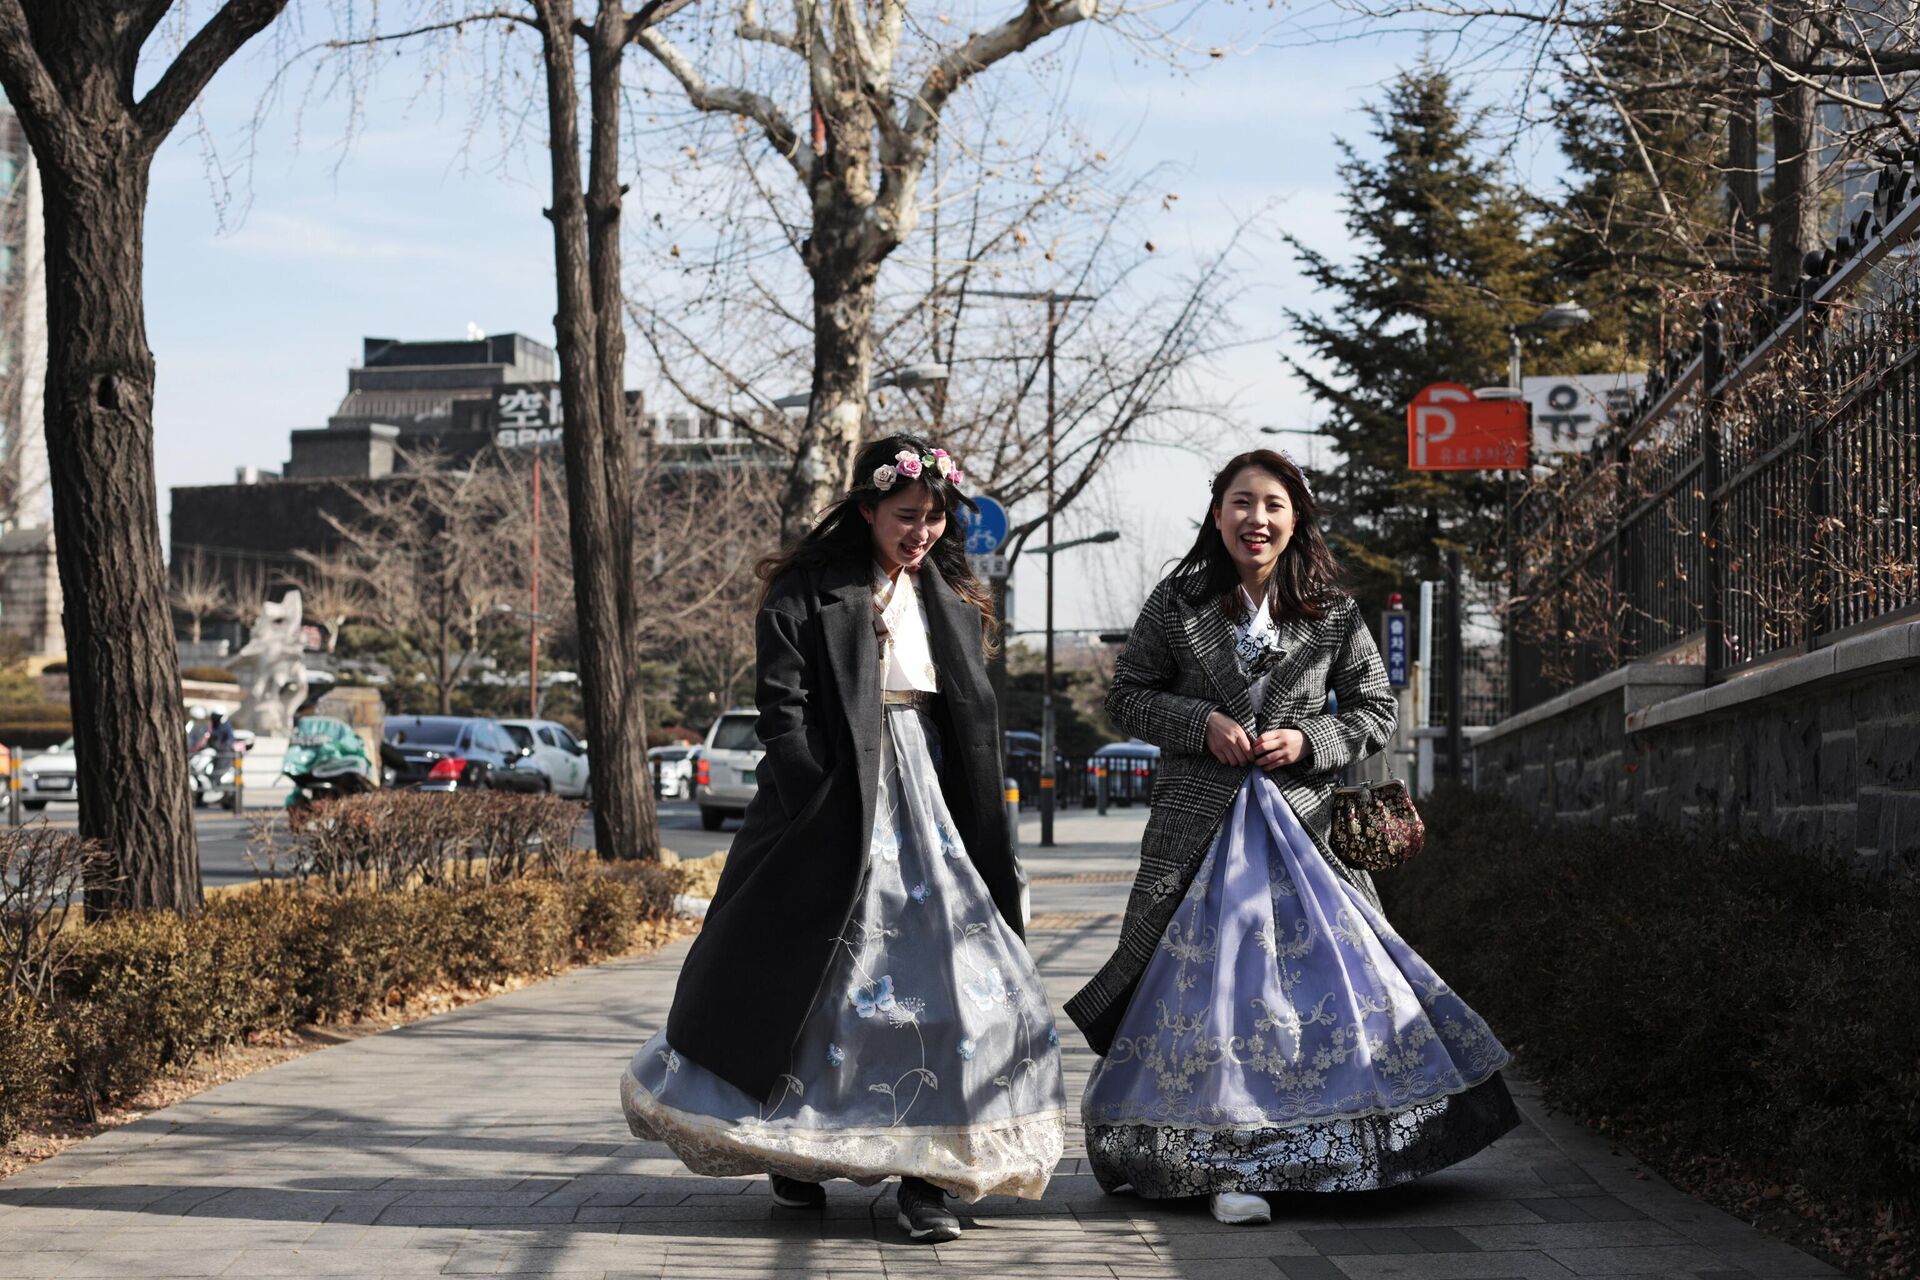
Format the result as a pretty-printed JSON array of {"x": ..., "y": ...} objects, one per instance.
[
  {"x": 547, "y": 746},
  {"x": 725, "y": 776}
]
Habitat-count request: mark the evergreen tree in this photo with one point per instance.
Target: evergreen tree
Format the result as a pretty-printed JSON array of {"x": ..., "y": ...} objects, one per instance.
[
  {"x": 1662, "y": 135},
  {"x": 1443, "y": 263}
]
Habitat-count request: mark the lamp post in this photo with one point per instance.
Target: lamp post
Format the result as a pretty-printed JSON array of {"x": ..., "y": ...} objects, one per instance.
[
  {"x": 906, "y": 377},
  {"x": 1558, "y": 318},
  {"x": 1056, "y": 308}
]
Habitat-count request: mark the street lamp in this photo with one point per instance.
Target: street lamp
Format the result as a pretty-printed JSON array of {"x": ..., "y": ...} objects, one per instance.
[
  {"x": 906, "y": 377},
  {"x": 1558, "y": 318},
  {"x": 1106, "y": 535},
  {"x": 1056, "y": 305},
  {"x": 1312, "y": 434}
]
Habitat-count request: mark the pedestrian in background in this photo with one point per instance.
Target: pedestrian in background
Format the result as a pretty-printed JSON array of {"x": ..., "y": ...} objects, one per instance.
[
  {"x": 860, "y": 1003},
  {"x": 1261, "y": 1026}
]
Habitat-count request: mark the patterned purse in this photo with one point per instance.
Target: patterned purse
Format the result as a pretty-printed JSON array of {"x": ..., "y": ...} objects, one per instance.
[{"x": 1375, "y": 826}]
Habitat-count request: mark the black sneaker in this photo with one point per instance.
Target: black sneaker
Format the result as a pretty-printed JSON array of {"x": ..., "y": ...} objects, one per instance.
[
  {"x": 791, "y": 1193},
  {"x": 924, "y": 1215}
]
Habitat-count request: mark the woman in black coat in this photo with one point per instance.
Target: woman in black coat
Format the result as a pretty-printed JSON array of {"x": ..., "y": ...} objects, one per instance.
[{"x": 859, "y": 1003}]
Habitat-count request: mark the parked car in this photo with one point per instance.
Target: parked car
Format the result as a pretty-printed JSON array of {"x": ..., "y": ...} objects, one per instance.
[
  {"x": 1130, "y": 767},
  {"x": 673, "y": 771},
  {"x": 452, "y": 753},
  {"x": 53, "y": 774},
  {"x": 554, "y": 751},
  {"x": 725, "y": 774}
]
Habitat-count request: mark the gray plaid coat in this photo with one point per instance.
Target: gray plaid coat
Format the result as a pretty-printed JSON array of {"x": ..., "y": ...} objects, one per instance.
[{"x": 1177, "y": 668}]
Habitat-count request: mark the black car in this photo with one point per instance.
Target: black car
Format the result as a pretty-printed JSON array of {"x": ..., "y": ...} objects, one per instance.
[{"x": 452, "y": 753}]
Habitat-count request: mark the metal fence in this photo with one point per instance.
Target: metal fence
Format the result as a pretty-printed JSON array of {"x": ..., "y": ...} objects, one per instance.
[
  {"x": 1762, "y": 503},
  {"x": 1079, "y": 779}
]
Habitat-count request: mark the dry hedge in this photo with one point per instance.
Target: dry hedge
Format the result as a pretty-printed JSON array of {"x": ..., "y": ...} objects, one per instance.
[
  {"x": 138, "y": 993},
  {"x": 1730, "y": 996}
]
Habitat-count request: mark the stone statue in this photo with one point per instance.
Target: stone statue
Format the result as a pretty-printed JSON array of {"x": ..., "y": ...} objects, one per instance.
[{"x": 271, "y": 674}]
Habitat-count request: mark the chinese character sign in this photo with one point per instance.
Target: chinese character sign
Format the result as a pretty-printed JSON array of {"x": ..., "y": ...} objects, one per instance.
[
  {"x": 527, "y": 414},
  {"x": 1449, "y": 429}
]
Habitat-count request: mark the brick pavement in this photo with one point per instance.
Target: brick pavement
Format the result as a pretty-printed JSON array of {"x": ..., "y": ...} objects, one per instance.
[{"x": 488, "y": 1141}]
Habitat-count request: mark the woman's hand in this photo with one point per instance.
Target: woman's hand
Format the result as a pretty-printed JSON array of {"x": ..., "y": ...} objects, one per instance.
[
  {"x": 1227, "y": 740},
  {"x": 1277, "y": 748}
]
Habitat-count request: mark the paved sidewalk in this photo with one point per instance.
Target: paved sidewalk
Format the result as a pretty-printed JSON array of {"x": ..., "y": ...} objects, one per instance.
[{"x": 488, "y": 1141}]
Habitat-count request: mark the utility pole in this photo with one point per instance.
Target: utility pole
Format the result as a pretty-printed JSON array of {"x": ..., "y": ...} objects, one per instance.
[
  {"x": 1049, "y": 782},
  {"x": 1056, "y": 307}
]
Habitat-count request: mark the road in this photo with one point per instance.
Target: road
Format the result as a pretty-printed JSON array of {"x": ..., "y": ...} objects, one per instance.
[{"x": 223, "y": 837}]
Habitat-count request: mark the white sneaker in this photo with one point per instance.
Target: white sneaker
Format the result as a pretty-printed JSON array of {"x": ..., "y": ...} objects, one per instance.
[{"x": 1237, "y": 1208}]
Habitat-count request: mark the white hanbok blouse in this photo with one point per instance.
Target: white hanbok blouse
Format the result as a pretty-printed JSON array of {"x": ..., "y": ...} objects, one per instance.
[{"x": 906, "y": 655}]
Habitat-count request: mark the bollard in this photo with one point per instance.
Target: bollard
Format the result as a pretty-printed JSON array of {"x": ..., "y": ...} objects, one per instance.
[
  {"x": 239, "y": 783},
  {"x": 1100, "y": 789},
  {"x": 14, "y": 807},
  {"x": 1012, "y": 799}
]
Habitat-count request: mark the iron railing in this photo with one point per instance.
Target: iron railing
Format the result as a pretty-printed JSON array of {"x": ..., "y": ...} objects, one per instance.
[{"x": 1763, "y": 502}]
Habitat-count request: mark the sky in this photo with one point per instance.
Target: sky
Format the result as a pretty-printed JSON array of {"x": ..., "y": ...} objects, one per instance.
[{"x": 263, "y": 275}]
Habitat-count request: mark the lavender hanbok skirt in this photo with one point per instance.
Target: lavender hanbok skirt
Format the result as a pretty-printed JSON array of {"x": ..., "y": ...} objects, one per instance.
[
  {"x": 930, "y": 1051},
  {"x": 1284, "y": 1038}
]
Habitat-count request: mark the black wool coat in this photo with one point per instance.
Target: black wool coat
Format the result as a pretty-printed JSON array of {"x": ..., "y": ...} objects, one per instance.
[{"x": 794, "y": 872}]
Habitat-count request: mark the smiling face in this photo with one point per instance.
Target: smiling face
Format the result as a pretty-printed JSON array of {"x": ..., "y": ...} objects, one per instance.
[
  {"x": 906, "y": 523},
  {"x": 1255, "y": 520}
]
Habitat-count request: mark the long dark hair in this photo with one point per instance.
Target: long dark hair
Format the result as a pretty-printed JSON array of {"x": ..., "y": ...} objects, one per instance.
[
  {"x": 1304, "y": 582},
  {"x": 841, "y": 534}
]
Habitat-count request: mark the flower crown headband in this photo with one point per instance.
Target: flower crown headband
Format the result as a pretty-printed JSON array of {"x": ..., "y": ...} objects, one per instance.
[{"x": 910, "y": 465}]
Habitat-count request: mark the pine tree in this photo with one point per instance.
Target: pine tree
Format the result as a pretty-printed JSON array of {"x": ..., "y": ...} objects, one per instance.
[
  {"x": 1661, "y": 133},
  {"x": 1443, "y": 263}
]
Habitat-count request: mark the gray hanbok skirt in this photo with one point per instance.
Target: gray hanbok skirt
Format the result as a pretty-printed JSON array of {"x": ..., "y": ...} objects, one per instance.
[{"x": 930, "y": 1051}]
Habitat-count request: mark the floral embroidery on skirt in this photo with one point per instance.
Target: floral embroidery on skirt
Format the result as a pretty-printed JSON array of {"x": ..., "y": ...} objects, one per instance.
[
  {"x": 930, "y": 1051},
  {"x": 1284, "y": 1037}
]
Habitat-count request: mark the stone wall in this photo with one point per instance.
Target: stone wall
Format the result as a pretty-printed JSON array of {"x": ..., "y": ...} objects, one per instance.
[{"x": 1821, "y": 751}]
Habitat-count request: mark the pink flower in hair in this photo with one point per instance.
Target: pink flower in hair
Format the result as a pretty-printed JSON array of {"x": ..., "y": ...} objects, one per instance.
[
  {"x": 955, "y": 476},
  {"x": 907, "y": 464}
]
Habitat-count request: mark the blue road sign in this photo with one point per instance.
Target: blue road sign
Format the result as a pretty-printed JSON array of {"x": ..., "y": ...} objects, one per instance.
[
  {"x": 1396, "y": 647},
  {"x": 987, "y": 530}
]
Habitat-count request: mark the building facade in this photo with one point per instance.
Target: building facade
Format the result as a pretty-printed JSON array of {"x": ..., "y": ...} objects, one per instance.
[{"x": 29, "y": 579}]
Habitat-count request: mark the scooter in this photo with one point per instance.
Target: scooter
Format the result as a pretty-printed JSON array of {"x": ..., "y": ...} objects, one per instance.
[
  {"x": 209, "y": 788},
  {"x": 326, "y": 759}
]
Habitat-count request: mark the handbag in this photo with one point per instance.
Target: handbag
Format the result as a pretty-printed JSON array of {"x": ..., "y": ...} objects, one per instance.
[{"x": 1375, "y": 826}]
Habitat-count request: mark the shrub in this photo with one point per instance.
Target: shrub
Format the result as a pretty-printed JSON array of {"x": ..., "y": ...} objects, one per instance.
[
  {"x": 393, "y": 839},
  {"x": 1733, "y": 996},
  {"x": 393, "y": 894},
  {"x": 30, "y": 1060}
]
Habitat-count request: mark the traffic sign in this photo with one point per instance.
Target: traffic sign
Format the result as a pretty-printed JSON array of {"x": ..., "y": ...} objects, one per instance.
[
  {"x": 985, "y": 530},
  {"x": 1394, "y": 625},
  {"x": 990, "y": 566},
  {"x": 1450, "y": 429}
]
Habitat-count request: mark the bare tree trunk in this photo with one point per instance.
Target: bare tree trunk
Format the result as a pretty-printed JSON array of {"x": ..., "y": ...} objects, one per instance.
[
  {"x": 120, "y": 646},
  {"x": 68, "y": 71},
  {"x": 1795, "y": 218},
  {"x": 843, "y": 363},
  {"x": 598, "y": 446}
]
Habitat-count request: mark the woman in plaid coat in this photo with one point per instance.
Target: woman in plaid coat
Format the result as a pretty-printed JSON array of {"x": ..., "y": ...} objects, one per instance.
[{"x": 1261, "y": 1026}]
